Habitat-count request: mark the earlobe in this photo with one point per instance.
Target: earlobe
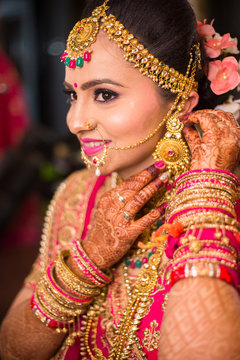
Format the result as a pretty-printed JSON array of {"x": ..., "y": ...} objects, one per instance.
[{"x": 191, "y": 103}]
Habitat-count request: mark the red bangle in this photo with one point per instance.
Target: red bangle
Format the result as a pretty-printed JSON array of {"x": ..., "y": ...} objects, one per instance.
[{"x": 224, "y": 273}]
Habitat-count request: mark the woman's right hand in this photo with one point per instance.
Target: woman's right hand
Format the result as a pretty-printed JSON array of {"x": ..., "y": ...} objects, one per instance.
[{"x": 112, "y": 233}]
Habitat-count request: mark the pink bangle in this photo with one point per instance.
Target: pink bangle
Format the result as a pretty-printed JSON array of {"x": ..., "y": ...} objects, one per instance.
[
  {"x": 61, "y": 291},
  {"x": 86, "y": 265},
  {"x": 84, "y": 269}
]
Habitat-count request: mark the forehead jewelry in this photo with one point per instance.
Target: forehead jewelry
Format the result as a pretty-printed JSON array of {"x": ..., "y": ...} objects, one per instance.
[{"x": 82, "y": 36}]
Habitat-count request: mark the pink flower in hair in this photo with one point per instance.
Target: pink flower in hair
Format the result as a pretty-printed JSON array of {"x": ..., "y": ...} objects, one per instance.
[
  {"x": 205, "y": 30},
  {"x": 223, "y": 75},
  {"x": 213, "y": 47}
]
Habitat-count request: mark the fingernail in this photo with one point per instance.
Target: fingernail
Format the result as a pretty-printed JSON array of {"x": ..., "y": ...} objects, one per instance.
[
  {"x": 159, "y": 164},
  {"x": 165, "y": 176}
]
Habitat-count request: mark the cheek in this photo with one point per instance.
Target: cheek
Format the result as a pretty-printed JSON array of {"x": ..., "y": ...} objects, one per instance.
[{"x": 133, "y": 118}]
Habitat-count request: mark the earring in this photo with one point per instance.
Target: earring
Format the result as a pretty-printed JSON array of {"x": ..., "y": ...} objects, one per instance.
[{"x": 172, "y": 149}]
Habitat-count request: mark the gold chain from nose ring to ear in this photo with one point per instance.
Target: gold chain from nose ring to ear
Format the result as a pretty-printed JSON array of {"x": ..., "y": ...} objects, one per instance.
[
  {"x": 184, "y": 94},
  {"x": 152, "y": 133}
]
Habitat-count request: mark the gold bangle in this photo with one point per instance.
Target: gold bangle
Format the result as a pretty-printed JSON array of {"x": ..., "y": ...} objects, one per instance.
[
  {"x": 71, "y": 280},
  {"x": 202, "y": 194},
  {"x": 200, "y": 246},
  {"x": 201, "y": 204},
  {"x": 213, "y": 261},
  {"x": 178, "y": 202},
  {"x": 227, "y": 191},
  {"x": 207, "y": 175},
  {"x": 207, "y": 254}
]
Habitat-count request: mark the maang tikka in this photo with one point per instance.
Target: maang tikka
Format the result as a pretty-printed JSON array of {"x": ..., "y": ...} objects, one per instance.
[{"x": 82, "y": 36}]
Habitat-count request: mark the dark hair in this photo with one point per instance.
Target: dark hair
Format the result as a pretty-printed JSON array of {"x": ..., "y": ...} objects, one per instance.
[{"x": 168, "y": 29}]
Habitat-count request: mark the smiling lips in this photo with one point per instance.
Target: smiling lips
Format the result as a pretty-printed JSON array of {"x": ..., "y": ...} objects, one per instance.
[{"x": 93, "y": 146}]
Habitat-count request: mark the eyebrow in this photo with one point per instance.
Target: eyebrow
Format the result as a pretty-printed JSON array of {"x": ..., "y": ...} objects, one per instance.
[{"x": 87, "y": 85}]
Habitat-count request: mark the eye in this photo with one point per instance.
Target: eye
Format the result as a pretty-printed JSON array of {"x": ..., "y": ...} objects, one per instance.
[
  {"x": 72, "y": 96},
  {"x": 104, "y": 95}
]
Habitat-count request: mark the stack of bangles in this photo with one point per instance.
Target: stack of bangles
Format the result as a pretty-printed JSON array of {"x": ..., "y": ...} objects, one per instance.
[
  {"x": 204, "y": 204},
  {"x": 61, "y": 296}
]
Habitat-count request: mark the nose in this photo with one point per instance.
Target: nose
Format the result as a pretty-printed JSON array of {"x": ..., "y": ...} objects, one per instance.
[{"x": 79, "y": 121}]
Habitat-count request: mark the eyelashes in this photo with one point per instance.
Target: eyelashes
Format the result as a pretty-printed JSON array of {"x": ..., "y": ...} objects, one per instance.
[
  {"x": 71, "y": 95},
  {"x": 100, "y": 95},
  {"x": 105, "y": 95}
]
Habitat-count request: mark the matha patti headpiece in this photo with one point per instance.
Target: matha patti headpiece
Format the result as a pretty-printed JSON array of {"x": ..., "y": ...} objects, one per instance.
[{"x": 84, "y": 34}]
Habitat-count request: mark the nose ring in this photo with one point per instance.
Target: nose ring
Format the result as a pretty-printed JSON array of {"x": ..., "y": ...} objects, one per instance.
[{"x": 89, "y": 126}]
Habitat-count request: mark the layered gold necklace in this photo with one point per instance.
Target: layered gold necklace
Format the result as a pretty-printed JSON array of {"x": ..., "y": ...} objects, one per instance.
[{"x": 126, "y": 332}]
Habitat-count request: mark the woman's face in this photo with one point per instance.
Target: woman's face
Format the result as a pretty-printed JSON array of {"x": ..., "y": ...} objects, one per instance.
[{"x": 122, "y": 106}]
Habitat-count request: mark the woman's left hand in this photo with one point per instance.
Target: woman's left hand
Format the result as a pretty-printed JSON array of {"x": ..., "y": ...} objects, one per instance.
[{"x": 219, "y": 146}]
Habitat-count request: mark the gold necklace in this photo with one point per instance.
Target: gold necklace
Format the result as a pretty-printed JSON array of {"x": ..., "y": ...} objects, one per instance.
[{"x": 126, "y": 332}]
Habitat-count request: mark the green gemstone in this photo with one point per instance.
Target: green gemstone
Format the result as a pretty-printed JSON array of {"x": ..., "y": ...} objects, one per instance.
[
  {"x": 159, "y": 223},
  {"x": 138, "y": 263},
  {"x": 162, "y": 64},
  {"x": 79, "y": 62},
  {"x": 127, "y": 262},
  {"x": 67, "y": 61},
  {"x": 150, "y": 254}
]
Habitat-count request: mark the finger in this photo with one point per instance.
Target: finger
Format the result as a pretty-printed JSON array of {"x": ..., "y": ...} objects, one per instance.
[
  {"x": 234, "y": 126},
  {"x": 207, "y": 120},
  {"x": 226, "y": 116},
  {"x": 136, "y": 182},
  {"x": 234, "y": 121},
  {"x": 145, "y": 194},
  {"x": 228, "y": 121},
  {"x": 229, "y": 134},
  {"x": 192, "y": 137},
  {"x": 147, "y": 220}
]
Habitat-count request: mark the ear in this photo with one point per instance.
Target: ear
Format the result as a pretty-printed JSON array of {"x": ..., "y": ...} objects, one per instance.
[{"x": 191, "y": 103}]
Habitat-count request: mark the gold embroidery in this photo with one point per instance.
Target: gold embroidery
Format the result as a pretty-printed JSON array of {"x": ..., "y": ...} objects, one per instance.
[
  {"x": 151, "y": 337},
  {"x": 164, "y": 304},
  {"x": 66, "y": 234},
  {"x": 66, "y": 214}
]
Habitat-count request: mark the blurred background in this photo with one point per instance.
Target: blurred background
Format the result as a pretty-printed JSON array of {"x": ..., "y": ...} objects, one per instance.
[{"x": 36, "y": 149}]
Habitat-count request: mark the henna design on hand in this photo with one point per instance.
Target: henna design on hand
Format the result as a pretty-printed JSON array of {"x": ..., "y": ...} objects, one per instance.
[
  {"x": 219, "y": 147},
  {"x": 198, "y": 310},
  {"x": 111, "y": 234}
]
